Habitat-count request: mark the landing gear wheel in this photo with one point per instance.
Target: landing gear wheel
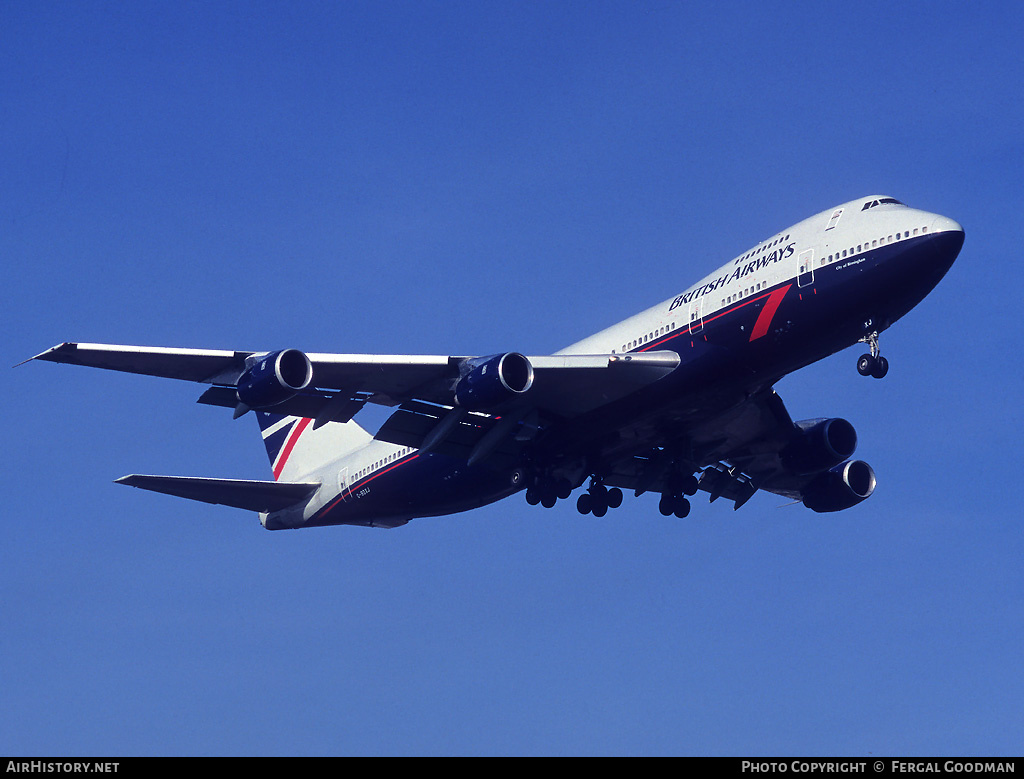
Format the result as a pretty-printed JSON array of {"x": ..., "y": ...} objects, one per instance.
[
  {"x": 599, "y": 497},
  {"x": 533, "y": 496},
  {"x": 563, "y": 489},
  {"x": 690, "y": 485},
  {"x": 584, "y": 503},
  {"x": 873, "y": 364},
  {"x": 674, "y": 504},
  {"x": 880, "y": 368}
]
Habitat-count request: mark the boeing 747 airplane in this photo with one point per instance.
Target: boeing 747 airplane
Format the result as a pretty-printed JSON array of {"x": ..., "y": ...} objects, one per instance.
[{"x": 675, "y": 400}]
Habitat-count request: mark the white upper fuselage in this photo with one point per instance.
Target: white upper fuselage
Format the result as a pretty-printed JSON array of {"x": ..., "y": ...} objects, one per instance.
[{"x": 837, "y": 235}]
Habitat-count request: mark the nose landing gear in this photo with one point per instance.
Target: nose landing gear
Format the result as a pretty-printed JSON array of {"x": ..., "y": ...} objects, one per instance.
[{"x": 873, "y": 364}]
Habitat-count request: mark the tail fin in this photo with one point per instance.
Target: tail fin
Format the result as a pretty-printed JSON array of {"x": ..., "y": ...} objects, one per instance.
[{"x": 296, "y": 448}]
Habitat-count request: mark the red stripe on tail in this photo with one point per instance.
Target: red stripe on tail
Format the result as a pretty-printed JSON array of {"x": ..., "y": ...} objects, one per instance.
[{"x": 286, "y": 450}]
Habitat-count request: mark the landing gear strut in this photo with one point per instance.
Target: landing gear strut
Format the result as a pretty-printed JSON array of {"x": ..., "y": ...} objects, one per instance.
[{"x": 873, "y": 364}]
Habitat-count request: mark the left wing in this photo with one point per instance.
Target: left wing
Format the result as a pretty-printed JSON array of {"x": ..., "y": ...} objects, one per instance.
[
  {"x": 204, "y": 365},
  {"x": 338, "y": 384}
]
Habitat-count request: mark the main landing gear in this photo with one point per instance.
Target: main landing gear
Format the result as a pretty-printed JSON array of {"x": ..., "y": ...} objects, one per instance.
[
  {"x": 873, "y": 364},
  {"x": 674, "y": 499},
  {"x": 598, "y": 499},
  {"x": 547, "y": 491}
]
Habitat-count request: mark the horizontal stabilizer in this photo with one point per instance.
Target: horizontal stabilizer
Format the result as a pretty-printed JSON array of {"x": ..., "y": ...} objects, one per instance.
[{"x": 265, "y": 496}]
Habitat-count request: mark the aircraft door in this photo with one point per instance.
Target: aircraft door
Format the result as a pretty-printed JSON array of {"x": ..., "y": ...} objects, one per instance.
[
  {"x": 805, "y": 268},
  {"x": 697, "y": 314},
  {"x": 344, "y": 484}
]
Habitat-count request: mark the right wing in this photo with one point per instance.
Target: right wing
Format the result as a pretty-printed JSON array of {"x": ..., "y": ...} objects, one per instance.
[{"x": 757, "y": 446}]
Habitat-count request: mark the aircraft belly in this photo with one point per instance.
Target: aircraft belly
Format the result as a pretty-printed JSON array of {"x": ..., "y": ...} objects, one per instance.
[{"x": 427, "y": 485}]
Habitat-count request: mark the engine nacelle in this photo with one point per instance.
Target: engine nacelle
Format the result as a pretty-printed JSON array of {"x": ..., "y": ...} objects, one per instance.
[
  {"x": 490, "y": 381},
  {"x": 273, "y": 378},
  {"x": 841, "y": 487},
  {"x": 819, "y": 444}
]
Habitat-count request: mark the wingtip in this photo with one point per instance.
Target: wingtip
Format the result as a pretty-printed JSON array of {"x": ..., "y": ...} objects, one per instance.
[{"x": 43, "y": 355}]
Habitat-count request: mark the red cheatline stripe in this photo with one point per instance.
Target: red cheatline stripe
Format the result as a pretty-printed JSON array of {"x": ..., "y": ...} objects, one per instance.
[
  {"x": 286, "y": 450},
  {"x": 764, "y": 319},
  {"x": 363, "y": 482}
]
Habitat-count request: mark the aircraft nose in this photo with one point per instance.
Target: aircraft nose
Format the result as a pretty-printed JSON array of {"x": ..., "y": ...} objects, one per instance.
[
  {"x": 947, "y": 238},
  {"x": 943, "y": 224}
]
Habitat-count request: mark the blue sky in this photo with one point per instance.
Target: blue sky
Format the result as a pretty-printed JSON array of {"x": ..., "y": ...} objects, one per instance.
[{"x": 474, "y": 178}]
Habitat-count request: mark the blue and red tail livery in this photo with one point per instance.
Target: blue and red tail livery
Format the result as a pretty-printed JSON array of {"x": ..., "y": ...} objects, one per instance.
[
  {"x": 280, "y": 436},
  {"x": 275, "y": 429}
]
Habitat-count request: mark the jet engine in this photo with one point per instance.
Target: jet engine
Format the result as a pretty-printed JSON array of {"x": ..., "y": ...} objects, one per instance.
[
  {"x": 841, "y": 487},
  {"x": 487, "y": 382},
  {"x": 819, "y": 444},
  {"x": 273, "y": 378}
]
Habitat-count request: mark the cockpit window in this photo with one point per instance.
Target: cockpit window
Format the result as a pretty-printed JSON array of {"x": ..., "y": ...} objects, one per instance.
[{"x": 882, "y": 202}]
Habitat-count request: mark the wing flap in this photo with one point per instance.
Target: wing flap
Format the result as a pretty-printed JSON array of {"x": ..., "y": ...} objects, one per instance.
[
  {"x": 264, "y": 496},
  {"x": 320, "y": 406}
]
